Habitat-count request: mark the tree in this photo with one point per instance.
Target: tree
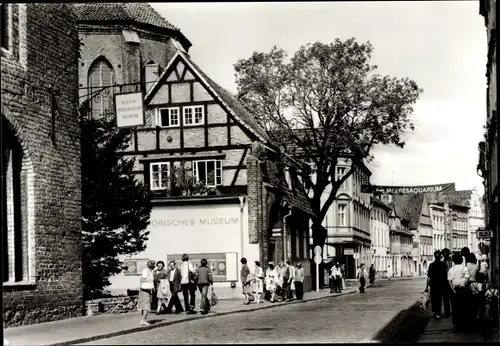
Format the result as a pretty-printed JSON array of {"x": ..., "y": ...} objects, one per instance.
[
  {"x": 116, "y": 207},
  {"x": 325, "y": 103}
]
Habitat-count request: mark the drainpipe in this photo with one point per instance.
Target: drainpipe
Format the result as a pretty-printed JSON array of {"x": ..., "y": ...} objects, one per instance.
[
  {"x": 242, "y": 208},
  {"x": 285, "y": 235}
]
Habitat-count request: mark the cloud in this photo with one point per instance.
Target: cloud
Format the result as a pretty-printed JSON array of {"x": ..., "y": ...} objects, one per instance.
[{"x": 442, "y": 149}]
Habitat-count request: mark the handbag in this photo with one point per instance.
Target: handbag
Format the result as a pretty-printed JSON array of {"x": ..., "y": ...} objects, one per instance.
[{"x": 213, "y": 297}]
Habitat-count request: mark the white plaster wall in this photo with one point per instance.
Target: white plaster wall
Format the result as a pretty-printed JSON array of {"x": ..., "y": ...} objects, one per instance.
[{"x": 178, "y": 230}]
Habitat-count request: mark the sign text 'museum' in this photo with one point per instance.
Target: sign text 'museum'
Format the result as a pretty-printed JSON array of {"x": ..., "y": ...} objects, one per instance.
[{"x": 205, "y": 221}]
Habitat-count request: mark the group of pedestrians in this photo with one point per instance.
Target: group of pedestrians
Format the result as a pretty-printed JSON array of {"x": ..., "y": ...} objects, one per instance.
[
  {"x": 459, "y": 284},
  {"x": 164, "y": 285},
  {"x": 277, "y": 284}
]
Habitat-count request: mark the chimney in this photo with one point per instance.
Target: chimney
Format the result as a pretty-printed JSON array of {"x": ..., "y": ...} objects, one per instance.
[{"x": 151, "y": 74}]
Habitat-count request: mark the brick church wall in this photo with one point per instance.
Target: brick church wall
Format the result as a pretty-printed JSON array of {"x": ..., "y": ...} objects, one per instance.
[{"x": 42, "y": 52}]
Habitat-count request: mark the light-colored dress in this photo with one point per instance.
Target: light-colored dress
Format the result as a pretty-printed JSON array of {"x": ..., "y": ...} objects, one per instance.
[
  {"x": 258, "y": 274},
  {"x": 271, "y": 280},
  {"x": 163, "y": 285},
  {"x": 146, "y": 290}
]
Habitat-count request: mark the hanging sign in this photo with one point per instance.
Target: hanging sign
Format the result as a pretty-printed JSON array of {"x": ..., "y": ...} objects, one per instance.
[
  {"x": 401, "y": 190},
  {"x": 129, "y": 110}
]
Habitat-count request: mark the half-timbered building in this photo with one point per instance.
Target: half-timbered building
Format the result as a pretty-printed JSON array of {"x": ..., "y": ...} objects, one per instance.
[{"x": 218, "y": 192}]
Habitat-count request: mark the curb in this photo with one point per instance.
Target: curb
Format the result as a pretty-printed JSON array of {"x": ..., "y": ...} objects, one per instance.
[{"x": 198, "y": 317}]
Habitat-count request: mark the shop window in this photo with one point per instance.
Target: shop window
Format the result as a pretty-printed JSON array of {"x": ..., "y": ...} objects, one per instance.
[
  {"x": 193, "y": 115},
  {"x": 4, "y": 23},
  {"x": 160, "y": 175},
  {"x": 208, "y": 171},
  {"x": 168, "y": 117},
  {"x": 101, "y": 79},
  {"x": 15, "y": 197}
]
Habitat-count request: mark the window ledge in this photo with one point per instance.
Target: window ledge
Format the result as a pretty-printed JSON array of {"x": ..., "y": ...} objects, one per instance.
[{"x": 19, "y": 284}]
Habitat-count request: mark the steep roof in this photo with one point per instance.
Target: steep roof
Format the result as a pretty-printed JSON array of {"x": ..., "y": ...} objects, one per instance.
[
  {"x": 460, "y": 198},
  {"x": 126, "y": 12},
  {"x": 400, "y": 203},
  {"x": 225, "y": 97}
]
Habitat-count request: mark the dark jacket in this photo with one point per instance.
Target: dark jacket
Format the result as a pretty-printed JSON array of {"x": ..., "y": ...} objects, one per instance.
[
  {"x": 175, "y": 286},
  {"x": 204, "y": 275}
]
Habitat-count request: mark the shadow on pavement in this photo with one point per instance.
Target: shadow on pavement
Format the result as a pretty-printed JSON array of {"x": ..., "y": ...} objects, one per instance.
[{"x": 407, "y": 326}]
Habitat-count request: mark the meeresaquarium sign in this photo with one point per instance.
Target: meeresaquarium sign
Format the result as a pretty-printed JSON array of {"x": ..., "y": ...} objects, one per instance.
[{"x": 401, "y": 190}]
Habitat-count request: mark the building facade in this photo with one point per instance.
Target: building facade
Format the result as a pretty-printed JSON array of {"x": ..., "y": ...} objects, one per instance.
[
  {"x": 41, "y": 184},
  {"x": 476, "y": 221},
  {"x": 348, "y": 220},
  {"x": 438, "y": 226},
  {"x": 210, "y": 167},
  {"x": 488, "y": 150},
  {"x": 401, "y": 240},
  {"x": 460, "y": 226},
  {"x": 380, "y": 235}
]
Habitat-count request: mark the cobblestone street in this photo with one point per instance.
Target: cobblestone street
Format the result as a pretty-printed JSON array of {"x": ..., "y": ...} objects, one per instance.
[{"x": 349, "y": 318}]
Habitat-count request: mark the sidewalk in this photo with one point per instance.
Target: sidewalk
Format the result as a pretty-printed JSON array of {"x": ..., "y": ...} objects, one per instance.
[
  {"x": 87, "y": 328},
  {"x": 442, "y": 331}
]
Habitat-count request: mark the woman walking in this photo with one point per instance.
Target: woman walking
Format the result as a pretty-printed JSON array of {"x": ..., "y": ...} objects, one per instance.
[
  {"x": 146, "y": 291},
  {"x": 279, "y": 282},
  {"x": 458, "y": 276},
  {"x": 204, "y": 275},
  {"x": 162, "y": 286},
  {"x": 372, "y": 273},
  {"x": 258, "y": 278},
  {"x": 271, "y": 280},
  {"x": 245, "y": 282}
]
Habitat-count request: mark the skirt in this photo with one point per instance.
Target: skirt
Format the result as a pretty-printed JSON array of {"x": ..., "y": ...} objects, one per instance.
[
  {"x": 259, "y": 286},
  {"x": 163, "y": 289},
  {"x": 247, "y": 288},
  {"x": 144, "y": 302}
]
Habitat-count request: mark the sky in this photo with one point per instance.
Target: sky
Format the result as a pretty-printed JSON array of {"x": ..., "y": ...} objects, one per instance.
[{"x": 439, "y": 44}]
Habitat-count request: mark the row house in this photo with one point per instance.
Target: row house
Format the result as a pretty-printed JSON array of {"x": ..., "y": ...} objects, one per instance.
[
  {"x": 488, "y": 149},
  {"x": 400, "y": 238},
  {"x": 476, "y": 221},
  {"x": 414, "y": 208},
  {"x": 217, "y": 192},
  {"x": 438, "y": 226},
  {"x": 348, "y": 220},
  {"x": 380, "y": 235},
  {"x": 450, "y": 218}
]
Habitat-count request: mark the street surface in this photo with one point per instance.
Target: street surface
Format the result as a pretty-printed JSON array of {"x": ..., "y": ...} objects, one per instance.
[{"x": 349, "y": 318}]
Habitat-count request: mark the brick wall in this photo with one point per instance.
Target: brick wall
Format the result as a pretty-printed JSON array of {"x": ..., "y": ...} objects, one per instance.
[{"x": 44, "y": 53}]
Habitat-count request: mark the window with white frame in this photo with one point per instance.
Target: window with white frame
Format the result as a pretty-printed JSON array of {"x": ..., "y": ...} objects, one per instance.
[
  {"x": 169, "y": 117},
  {"x": 340, "y": 174},
  {"x": 193, "y": 115},
  {"x": 208, "y": 171},
  {"x": 4, "y": 24},
  {"x": 160, "y": 175},
  {"x": 342, "y": 209}
]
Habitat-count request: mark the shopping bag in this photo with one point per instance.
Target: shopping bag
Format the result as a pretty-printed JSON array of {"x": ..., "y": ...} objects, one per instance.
[{"x": 213, "y": 297}]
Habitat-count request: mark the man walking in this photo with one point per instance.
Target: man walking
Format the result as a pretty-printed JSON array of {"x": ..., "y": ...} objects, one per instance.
[
  {"x": 188, "y": 285},
  {"x": 174, "y": 277},
  {"x": 447, "y": 290},
  {"x": 286, "y": 281},
  {"x": 361, "y": 276},
  {"x": 437, "y": 281},
  {"x": 299, "y": 282}
]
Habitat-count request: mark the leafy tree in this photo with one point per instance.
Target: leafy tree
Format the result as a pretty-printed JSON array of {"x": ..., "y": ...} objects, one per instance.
[
  {"x": 116, "y": 207},
  {"x": 327, "y": 102}
]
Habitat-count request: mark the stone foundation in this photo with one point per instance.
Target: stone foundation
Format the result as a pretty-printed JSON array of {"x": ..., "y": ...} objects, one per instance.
[
  {"x": 39, "y": 315},
  {"x": 113, "y": 305}
]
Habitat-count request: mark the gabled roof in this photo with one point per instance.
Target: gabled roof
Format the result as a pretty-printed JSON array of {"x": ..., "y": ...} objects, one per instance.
[
  {"x": 229, "y": 101},
  {"x": 458, "y": 198},
  {"x": 409, "y": 207},
  {"x": 124, "y": 12}
]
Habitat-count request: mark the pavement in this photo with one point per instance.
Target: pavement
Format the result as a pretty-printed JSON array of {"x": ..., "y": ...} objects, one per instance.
[
  {"x": 87, "y": 328},
  {"x": 442, "y": 330},
  {"x": 375, "y": 317}
]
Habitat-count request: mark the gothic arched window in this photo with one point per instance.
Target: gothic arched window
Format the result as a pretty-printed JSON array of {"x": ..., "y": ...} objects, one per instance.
[
  {"x": 14, "y": 194},
  {"x": 101, "y": 76}
]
